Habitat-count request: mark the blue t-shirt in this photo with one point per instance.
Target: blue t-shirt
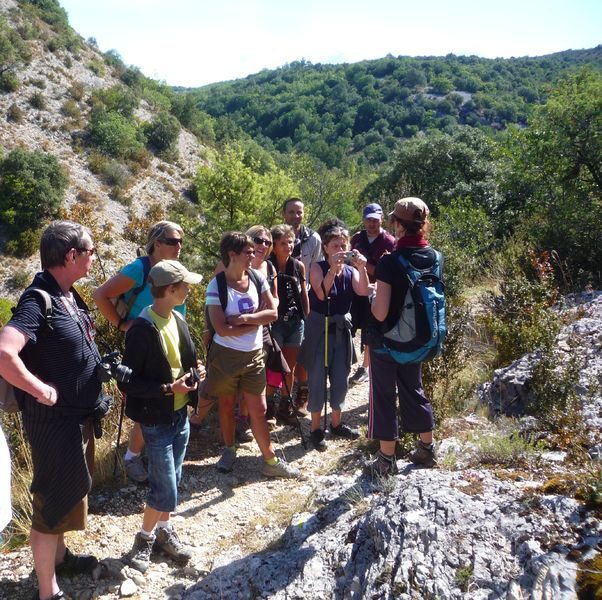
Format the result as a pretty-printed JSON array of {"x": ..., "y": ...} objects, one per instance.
[{"x": 135, "y": 271}]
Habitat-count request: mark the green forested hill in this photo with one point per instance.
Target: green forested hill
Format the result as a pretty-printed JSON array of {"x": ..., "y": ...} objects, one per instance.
[{"x": 365, "y": 109}]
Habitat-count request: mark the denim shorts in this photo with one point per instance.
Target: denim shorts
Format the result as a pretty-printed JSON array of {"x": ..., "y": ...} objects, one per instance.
[
  {"x": 165, "y": 450},
  {"x": 288, "y": 333}
]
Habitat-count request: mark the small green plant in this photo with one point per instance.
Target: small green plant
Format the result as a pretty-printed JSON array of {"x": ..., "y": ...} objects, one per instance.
[
  {"x": 38, "y": 101},
  {"x": 505, "y": 450},
  {"x": 39, "y": 83},
  {"x": 15, "y": 114},
  {"x": 97, "y": 68},
  {"x": 77, "y": 91},
  {"x": 19, "y": 280},
  {"x": 71, "y": 109},
  {"x": 463, "y": 577}
]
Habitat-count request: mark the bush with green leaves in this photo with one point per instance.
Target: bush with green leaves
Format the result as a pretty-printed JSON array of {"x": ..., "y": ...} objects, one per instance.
[
  {"x": 162, "y": 134},
  {"x": 32, "y": 186},
  {"x": 463, "y": 233},
  {"x": 117, "y": 99},
  {"x": 113, "y": 134},
  {"x": 37, "y": 101},
  {"x": 522, "y": 319}
]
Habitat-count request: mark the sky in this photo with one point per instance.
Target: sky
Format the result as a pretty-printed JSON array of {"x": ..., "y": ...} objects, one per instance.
[{"x": 195, "y": 42}]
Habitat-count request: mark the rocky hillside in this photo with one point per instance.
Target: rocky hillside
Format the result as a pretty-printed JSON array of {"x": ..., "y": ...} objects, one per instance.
[{"x": 62, "y": 76}]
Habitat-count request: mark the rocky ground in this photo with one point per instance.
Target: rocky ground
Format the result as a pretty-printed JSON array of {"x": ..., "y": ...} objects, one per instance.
[
  {"x": 457, "y": 531},
  {"x": 216, "y": 513}
]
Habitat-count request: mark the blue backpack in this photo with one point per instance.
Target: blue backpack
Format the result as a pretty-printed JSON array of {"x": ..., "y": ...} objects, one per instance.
[{"x": 420, "y": 330}]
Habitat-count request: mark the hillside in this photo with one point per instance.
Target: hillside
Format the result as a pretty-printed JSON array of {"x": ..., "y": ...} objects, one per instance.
[
  {"x": 56, "y": 86},
  {"x": 364, "y": 110}
]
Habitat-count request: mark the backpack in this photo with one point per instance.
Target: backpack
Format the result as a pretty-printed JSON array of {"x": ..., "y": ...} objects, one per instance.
[
  {"x": 421, "y": 327},
  {"x": 8, "y": 398},
  {"x": 123, "y": 306},
  {"x": 292, "y": 272},
  {"x": 222, "y": 291}
]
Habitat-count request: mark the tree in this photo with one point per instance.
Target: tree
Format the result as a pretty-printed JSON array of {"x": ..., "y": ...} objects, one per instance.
[
  {"x": 114, "y": 134},
  {"x": 440, "y": 167},
  {"x": 553, "y": 180},
  {"x": 32, "y": 186}
]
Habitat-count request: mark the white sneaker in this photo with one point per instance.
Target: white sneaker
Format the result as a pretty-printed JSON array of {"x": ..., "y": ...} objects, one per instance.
[{"x": 359, "y": 376}]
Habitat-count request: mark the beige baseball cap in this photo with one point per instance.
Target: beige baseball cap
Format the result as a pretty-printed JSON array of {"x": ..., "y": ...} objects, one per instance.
[
  {"x": 168, "y": 272},
  {"x": 410, "y": 210}
]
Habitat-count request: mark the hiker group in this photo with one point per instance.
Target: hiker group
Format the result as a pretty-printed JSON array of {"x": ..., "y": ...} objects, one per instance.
[{"x": 281, "y": 314}]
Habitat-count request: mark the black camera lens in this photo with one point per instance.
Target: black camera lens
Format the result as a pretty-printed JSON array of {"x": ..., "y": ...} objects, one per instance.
[{"x": 193, "y": 377}]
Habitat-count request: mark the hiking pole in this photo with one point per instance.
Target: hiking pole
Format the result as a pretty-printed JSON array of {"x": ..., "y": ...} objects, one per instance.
[
  {"x": 326, "y": 358},
  {"x": 121, "y": 412}
]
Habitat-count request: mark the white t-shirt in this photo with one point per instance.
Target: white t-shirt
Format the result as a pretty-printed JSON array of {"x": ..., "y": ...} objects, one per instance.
[
  {"x": 5, "y": 508},
  {"x": 239, "y": 303}
]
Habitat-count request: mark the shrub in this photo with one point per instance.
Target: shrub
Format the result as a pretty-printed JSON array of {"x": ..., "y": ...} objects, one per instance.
[
  {"x": 162, "y": 133},
  {"x": 38, "y": 101},
  {"x": 97, "y": 68},
  {"x": 32, "y": 185},
  {"x": 39, "y": 83},
  {"x": 116, "y": 99},
  {"x": 15, "y": 114},
  {"x": 9, "y": 82},
  {"x": 522, "y": 320},
  {"x": 113, "y": 134},
  {"x": 77, "y": 90},
  {"x": 71, "y": 109}
]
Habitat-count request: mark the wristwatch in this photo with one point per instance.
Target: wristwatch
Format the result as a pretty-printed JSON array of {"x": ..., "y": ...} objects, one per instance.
[{"x": 166, "y": 389}]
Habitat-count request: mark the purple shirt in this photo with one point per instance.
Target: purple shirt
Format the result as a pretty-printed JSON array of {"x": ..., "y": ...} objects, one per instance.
[{"x": 382, "y": 243}]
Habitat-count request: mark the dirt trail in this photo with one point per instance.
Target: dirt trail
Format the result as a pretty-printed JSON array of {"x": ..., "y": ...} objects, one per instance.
[{"x": 239, "y": 512}]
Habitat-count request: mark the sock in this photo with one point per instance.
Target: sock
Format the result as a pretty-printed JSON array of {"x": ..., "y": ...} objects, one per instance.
[
  {"x": 164, "y": 524},
  {"x": 272, "y": 461},
  {"x": 129, "y": 455},
  {"x": 148, "y": 534},
  {"x": 388, "y": 457}
]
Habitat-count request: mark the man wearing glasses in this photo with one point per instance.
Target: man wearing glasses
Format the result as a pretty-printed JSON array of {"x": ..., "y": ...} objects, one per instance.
[{"x": 52, "y": 365}]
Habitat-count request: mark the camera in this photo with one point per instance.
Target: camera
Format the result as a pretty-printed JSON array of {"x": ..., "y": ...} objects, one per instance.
[
  {"x": 349, "y": 257},
  {"x": 110, "y": 367},
  {"x": 193, "y": 377}
]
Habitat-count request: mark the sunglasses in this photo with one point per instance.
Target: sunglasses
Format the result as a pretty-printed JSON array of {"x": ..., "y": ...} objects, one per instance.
[
  {"x": 263, "y": 241},
  {"x": 88, "y": 251},
  {"x": 172, "y": 241}
]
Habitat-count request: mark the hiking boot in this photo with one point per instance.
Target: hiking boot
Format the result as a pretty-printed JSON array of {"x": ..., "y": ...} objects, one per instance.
[
  {"x": 60, "y": 595},
  {"x": 301, "y": 399},
  {"x": 382, "y": 466},
  {"x": 74, "y": 564},
  {"x": 316, "y": 440},
  {"x": 140, "y": 554},
  {"x": 359, "y": 376},
  {"x": 285, "y": 414},
  {"x": 280, "y": 469},
  {"x": 226, "y": 462},
  {"x": 168, "y": 543},
  {"x": 135, "y": 469},
  {"x": 242, "y": 432},
  {"x": 344, "y": 431},
  {"x": 424, "y": 455}
]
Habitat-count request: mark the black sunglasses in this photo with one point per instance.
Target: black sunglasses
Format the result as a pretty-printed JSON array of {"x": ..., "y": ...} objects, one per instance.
[
  {"x": 172, "y": 241},
  {"x": 88, "y": 251},
  {"x": 263, "y": 241}
]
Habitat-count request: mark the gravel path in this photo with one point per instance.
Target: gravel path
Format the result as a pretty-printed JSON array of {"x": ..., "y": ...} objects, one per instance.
[{"x": 217, "y": 513}]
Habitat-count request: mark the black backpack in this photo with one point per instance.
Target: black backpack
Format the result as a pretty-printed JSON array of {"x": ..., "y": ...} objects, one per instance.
[{"x": 8, "y": 399}]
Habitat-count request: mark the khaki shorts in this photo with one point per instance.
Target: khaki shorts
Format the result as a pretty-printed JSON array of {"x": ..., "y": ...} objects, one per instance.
[
  {"x": 75, "y": 519},
  {"x": 232, "y": 370}
]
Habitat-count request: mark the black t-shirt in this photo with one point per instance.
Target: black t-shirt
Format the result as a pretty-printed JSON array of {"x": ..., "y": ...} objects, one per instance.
[
  {"x": 390, "y": 270},
  {"x": 65, "y": 356}
]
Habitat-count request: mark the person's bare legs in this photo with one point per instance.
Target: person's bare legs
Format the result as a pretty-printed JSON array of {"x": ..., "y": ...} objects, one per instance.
[
  {"x": 48, "y": 550},
  {"x": 290, "y": 355},
  {"x": 259, "y": 426},
  {"x": 226, "y": 419},
  {"x": 136, "y": 441},
  {"x": 151, "y": 517}
]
